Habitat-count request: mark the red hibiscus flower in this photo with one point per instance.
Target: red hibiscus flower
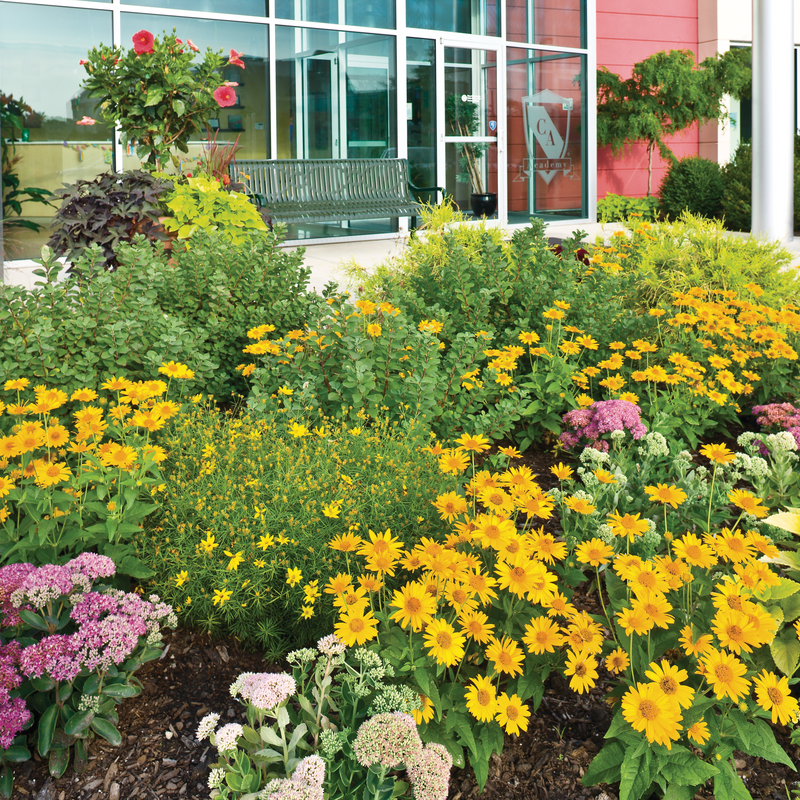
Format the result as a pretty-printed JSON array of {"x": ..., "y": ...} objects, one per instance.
[
  {"x": 143, "y": 42},
  {"x": 236, "y": 59},
  {"x": 86, "y": 121},
  {"x": 225, "y": 96},
  {"x": 192, "y": 46},
  {"x": 82, "y": 62}
]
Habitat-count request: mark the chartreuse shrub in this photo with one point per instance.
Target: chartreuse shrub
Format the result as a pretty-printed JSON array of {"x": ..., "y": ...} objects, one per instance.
[
  {"x": 250, "y": 503},
  {"x": 618, "y": 208},
  {"x": 689, "y": 628},
  {"x": 367, "y": 359},
  {"x": 221, "y": 290},
  {"x": 695, "y": 253},
  {"x": 350, "y": 709},
  {"x": 202, "y": 204},
  {"x": 69, "y": 648},
  {"x": 75, "y": 333},
  {"x": 79, "y": 472}
]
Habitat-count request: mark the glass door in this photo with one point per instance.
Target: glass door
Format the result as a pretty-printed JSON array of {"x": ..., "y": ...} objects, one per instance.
[{"x": 468, "y": 132}]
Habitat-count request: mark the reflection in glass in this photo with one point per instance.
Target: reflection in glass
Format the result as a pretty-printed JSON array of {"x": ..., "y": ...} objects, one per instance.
[
  {"x": 335, "y": 94},
  {"x": 39, "y": 55},
  {"x": 249, "y": 8},
  {"x": 470, "y": 101},
  {"x": 247, "y": 120},
  {"x": 481, "y": 17},
  {"x": 546, "y": 135},
  {"x": 335, "y": 99},
  {"x": 365, "y": 13},
  {"x": 561, "y": 24},
  {"x": 421, "y": 111}
]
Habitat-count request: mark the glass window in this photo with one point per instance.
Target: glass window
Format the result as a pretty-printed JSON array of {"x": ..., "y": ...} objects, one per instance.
[
  {"x": 546, "y": 135},
  {"x": 558, "y": 24},
  {"x": 421, "y": 112},
  {"x": 481, "y": 17},
  {"x": 364, "y": 13},
  {"x": 336, "y": 94},
  {"x": 250, "y": 8},
  {"x": 39, "y": 53},
  {"x": 247, "y": 120}
]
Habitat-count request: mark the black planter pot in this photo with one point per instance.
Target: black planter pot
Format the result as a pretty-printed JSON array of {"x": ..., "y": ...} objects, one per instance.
[{"x": 484, "y": 205}]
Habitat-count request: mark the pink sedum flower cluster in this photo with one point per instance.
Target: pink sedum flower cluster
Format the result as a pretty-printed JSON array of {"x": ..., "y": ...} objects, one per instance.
[
  {"x": 13, "y": 713},
  {"x": 264, "y": 690},
  {"x": 107, "y": 626},
  {"x": 306, "y": 782},
  {"x": 602, "y": 417},
  {"x": 392, "y": 740}
]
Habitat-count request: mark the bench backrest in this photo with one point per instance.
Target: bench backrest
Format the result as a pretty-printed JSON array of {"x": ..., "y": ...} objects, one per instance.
[{"x": 334, "y": 181}]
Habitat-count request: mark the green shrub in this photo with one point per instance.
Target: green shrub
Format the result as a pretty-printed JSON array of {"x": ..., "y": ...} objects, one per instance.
[
  {"x": 737, "y": 198},
  {"x": 692, "y": 184},
  {"x": 75, "y": 333},
  {"x": 221, "y": 290},
  {"x": 106, "y": 211},
  {"x": 618, "y": 208},
  {"x": 245, "y": 487},
  {"x": 367, "y": 361},
  {"x": 694, "y": 252}
]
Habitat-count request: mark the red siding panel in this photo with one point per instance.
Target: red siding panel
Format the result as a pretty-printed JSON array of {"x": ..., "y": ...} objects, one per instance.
[{"x": 625, "y": 36}]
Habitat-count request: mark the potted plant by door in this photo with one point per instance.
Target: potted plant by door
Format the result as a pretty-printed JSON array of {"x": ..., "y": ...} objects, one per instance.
[{"x": 463, "y": 120}]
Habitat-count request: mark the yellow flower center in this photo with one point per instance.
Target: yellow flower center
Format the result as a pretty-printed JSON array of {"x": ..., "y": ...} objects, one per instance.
[
  {"x": 512, "y": 712},
  {"x": 356, "y": 625},
  {"x": 413, "y": 605},
  {"x": 580, "y": 670},
  {"x": 483, "y": 697}
]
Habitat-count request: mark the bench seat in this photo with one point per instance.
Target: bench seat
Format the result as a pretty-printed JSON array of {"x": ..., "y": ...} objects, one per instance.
[{"x": 329, "y": 190}]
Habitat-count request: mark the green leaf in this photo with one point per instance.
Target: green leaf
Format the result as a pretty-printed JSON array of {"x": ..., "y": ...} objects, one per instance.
[
  {"x": 17, "y": 753},
  {"x": 785, "y": 650},
  {"x": 58, "y": 762},
  {"x": 606, "y": 765},
  {"x": 428, "y": 686},
  {"x": 6, "y": 781},
  {"x": 683, "y": 768},
  {"x": 47, "y": 727},
  {"x": 32, "y": 619},
  {"x": 78, "y": 723},
  {"x": 104, "y": 728},
  {"x": 121, "y": 690},
  {"x": 728, "y": 785},
  {"x": 461, "y": 724},
  {"x": 634, "y": 774}
]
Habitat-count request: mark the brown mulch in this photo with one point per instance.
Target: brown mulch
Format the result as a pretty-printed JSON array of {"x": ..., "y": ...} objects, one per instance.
[{"x": 161, "y": 758}]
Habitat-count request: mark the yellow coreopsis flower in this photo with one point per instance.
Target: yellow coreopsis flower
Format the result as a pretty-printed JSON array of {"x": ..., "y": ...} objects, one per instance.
[{"x": 293, "y": 576}]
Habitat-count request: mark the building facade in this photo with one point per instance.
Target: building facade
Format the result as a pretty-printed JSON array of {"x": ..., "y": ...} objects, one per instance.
[{"x": 341, "y": 79}]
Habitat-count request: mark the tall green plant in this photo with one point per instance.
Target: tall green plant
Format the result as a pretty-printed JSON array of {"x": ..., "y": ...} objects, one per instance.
[
  {"x": 156, "y": 92},
  {"x": 666, "y": 93}
]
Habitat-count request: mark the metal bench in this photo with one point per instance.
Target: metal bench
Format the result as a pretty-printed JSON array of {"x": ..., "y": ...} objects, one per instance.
[{"x": 330, "y": 190}]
